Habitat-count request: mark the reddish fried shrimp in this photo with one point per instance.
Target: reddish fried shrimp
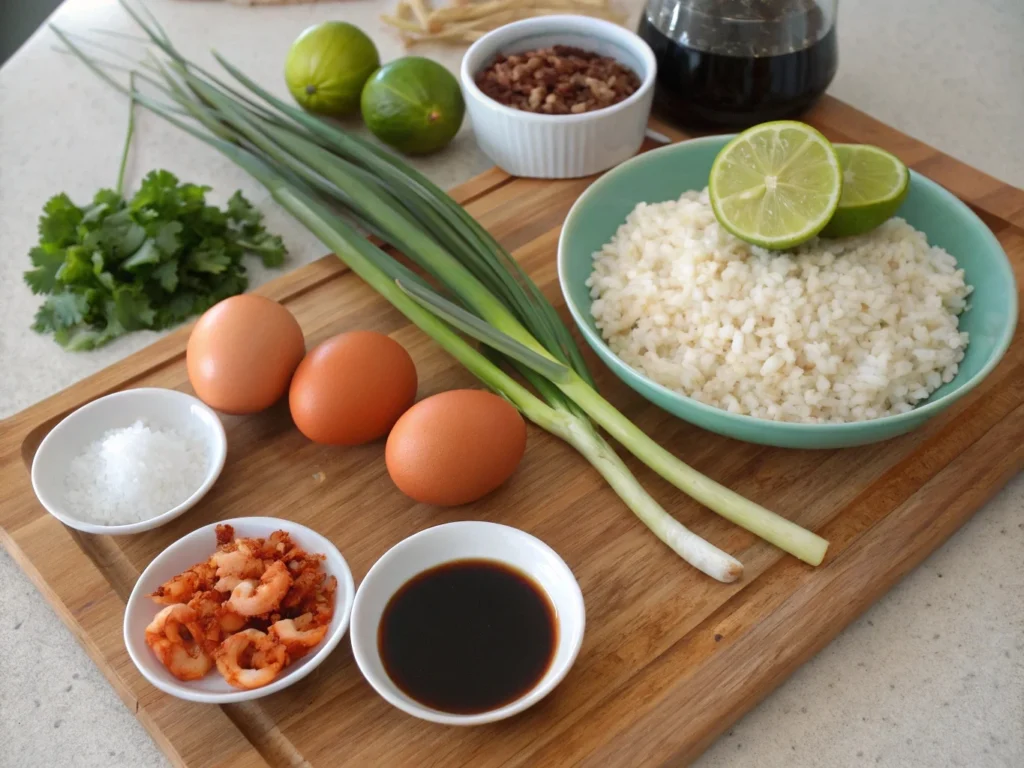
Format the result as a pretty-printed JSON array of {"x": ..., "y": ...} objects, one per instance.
[
  {"x": 250, "y": 610},
  {"x": 225, "y": 535},
  {"x": 238, "y": 562},
  {"x": 251, "y": 598},
  {"x": 299, "y": 635},
  {"x": 215, "y": 620},
  {"x": 237, "y": 565},
  {"x": 279, "y": 545},
  {"x": 250, "y": 659},
  {"x": 226, "y": 584},
  {"x": 199, "y": 578},
  {"x": 177, "y": 640},
  {"x": 303, "y": 562},
  {"x": 303, "y": 589},
  {"x": 322, "y": 604}
]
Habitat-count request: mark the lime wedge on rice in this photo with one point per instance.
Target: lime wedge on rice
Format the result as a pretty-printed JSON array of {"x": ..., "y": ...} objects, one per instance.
[
  {"x": 776, "y": 185},
  {"x": 875, "y": 184}
]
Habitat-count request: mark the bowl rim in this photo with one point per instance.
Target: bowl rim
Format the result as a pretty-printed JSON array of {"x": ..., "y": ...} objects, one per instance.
[
  {"x": 344, "y": 599},
  {"x": 211, "y": 425},
  {"x": 929, "y": 409},
  {"x": 567, "y": 23},
  {"x": 552, "y": 677}
]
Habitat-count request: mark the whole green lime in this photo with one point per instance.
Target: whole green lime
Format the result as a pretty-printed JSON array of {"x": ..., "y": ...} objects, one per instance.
[
  {"x": 328, "y": 65},
  {"x": 414, "y": 104}
]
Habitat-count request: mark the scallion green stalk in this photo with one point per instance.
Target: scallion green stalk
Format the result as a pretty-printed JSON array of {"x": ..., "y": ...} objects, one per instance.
[
  {"x": 304, "y": 162},
  {"x": 362, "y": 257}
]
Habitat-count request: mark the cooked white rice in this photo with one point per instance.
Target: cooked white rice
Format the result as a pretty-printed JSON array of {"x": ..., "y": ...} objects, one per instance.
[{"x": 836, "y": 331}]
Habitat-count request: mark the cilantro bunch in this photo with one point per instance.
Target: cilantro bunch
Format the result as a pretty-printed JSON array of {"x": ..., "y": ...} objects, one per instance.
[{"x": 149, "y": 262}]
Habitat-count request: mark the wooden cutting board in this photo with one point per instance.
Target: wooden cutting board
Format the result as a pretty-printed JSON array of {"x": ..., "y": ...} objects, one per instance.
[{"x": 671, "y": 658}]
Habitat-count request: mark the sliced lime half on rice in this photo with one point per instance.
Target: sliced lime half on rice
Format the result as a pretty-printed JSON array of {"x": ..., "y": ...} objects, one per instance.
[
  {"x": 875, "y": 184},
  {"x": 776, "y": 185}
]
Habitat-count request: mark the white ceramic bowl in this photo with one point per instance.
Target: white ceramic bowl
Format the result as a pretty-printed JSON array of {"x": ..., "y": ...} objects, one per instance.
[
  {"x": 197, "y": 547},
  {"x": 560, "y": 146},
  {"x": 460, "y": 541},
  {"x": 165, "y": 408}
]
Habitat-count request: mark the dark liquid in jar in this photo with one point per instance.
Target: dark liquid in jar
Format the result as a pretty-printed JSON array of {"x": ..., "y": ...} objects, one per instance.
[
  {"x": 468, "y": 636},
  {"x": 728, "y": 90}
]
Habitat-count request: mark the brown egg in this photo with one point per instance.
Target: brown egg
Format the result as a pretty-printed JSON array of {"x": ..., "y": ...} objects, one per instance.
[
  {"x": 242, "y": 353},
  {"x": 455, "y": 447},
  {"x": 351, "y": 389}
]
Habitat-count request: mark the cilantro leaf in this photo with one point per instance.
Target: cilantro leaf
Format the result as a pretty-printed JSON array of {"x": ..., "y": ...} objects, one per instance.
[
  {"x": 210, "y": 257},
  {"x": 119, "y": 235},
  {"x": 130, "y": 308},
  {"x": 47, "y": 260},
  {"x": 61, "y": 310},
  {"x": 168, "y": 238},
  {"x": 109, "y": 198},
  {"x": 152, "y": 261},
  {"x": 103, "y": 277},
  {"x": 77, "y": 268},
  {"x": 241, "y": 212},
  {"x": 94, "y": 214},
  {"x": 167, "y": 275},
  {"x": 270, "y": 248},
  {"x": 183, "y": 304},
  {"x": 58, "y": 225},
  {"x": 147, "y": 254},
  {"x": 83, "y": 339},
  {"x": 157, "y": 188}
]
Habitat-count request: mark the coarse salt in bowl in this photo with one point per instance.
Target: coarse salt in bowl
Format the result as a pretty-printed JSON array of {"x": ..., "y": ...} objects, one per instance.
[{"x": 130, "y": 461}]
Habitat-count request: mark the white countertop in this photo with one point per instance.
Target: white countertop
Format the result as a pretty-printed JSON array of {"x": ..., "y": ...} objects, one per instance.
[{"x": 933, "y": 675}]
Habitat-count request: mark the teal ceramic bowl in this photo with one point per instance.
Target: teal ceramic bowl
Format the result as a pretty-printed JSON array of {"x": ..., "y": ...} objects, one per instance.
[{"x": 665, "y": 173}]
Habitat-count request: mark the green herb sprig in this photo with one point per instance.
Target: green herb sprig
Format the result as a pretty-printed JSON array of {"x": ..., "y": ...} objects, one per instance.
[{"x": 118, "y": 265}]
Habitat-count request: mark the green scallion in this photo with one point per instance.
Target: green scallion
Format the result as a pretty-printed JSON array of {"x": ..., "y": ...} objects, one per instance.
[{"x": 312, "y": 169}]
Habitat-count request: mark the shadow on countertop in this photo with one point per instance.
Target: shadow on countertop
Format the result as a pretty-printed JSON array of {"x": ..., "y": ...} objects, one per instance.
[{"x": 18, "y": 20}]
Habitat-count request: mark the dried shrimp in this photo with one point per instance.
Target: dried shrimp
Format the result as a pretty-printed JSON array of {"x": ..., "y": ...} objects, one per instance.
[
  {"x": 251, "y": 659},
  {"x": 250, "y": 610},
  {"x": 176, "y": 639},
  {"x": 252, "y": 598},
  {"x": 299, "y": 635}
]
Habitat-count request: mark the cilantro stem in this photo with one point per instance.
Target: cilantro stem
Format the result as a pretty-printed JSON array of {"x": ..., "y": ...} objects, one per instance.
[
  {"x": 128, "y": 135},
  {"x": 256, "y": 247}
]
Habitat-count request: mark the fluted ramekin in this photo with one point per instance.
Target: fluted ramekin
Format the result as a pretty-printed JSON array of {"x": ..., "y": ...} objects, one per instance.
[{"x": 559, "y": 146}]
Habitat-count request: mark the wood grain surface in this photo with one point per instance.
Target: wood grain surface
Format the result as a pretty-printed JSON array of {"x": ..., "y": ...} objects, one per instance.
[{"x": 671, "y": 658}]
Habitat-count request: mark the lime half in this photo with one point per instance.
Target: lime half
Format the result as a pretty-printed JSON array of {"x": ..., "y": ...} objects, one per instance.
[
  {"x": 875, "y": 184},
  {"x": 776, "y": 185}
]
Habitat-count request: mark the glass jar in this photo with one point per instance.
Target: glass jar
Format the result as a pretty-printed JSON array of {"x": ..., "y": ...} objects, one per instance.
[{"x": 735, "y": 63}]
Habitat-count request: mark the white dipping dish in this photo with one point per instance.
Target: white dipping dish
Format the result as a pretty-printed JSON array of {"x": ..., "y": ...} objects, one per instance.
[
  {"x": 559, "y": 146},
  {"x": 461, "y": 541},
  {"x": 159, "y": 408},
  {"x": 197, "y": 547}
]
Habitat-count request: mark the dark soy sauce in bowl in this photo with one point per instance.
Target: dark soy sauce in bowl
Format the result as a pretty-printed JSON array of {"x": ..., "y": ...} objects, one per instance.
[{"x": 468, "y": 636}]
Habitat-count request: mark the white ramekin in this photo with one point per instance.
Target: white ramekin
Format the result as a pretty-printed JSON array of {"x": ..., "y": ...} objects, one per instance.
[
  {"x": 560, "y": 146},
  {"x": 472, "y": 540}
]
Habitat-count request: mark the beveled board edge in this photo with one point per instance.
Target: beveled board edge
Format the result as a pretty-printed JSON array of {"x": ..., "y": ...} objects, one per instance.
[{"x": 172, "y": 722}]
